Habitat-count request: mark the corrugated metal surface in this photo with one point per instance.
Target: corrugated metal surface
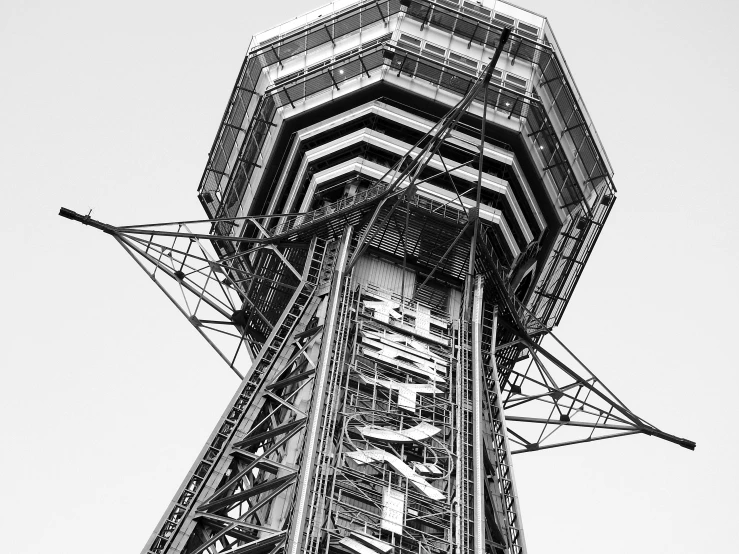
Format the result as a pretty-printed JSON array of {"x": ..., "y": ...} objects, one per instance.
[
  {"x": 385, "y": 275},
  {"x": 455, "y": 303}
]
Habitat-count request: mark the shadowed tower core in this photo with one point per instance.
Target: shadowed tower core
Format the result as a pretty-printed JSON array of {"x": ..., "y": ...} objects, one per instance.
[{"x": 401, "y": 198}]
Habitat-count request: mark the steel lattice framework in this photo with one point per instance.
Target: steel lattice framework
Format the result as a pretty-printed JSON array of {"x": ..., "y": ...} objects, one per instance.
[{"x": 368, "y": 418}]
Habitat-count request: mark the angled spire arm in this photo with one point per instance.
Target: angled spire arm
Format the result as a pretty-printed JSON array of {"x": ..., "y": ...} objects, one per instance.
[
  {"x": 583, "y": 395},
  {"x": 226, "y": 298},
  {"x": 153, "y": 229}
]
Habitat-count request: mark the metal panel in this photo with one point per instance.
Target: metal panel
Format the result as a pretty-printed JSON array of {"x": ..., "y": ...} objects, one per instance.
[
  {"x": 385, "y": 275},
  {"x": 393, "y": 510}
]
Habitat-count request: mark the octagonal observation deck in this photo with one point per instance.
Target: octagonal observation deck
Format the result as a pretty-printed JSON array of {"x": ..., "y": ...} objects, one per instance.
[{"x": 325, "y": 104}]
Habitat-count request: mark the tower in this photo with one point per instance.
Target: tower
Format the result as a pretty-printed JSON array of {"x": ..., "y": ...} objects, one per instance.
[{"x": 401, "y": 198}]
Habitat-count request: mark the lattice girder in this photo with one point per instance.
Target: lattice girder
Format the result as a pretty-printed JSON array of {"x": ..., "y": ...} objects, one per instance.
[
  {"x": 554, "y": 401},
  {"x": 233, "y": 301}
]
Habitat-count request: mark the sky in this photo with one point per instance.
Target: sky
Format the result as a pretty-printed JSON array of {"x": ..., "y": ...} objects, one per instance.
[{"x": 107, "y": 394}]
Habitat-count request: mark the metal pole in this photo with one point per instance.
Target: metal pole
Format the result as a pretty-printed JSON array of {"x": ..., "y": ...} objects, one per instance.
[
  {"x": 477, "y": 427},
  {"x": 311, "y": 435},
  {"x": 486, "y": 84}
]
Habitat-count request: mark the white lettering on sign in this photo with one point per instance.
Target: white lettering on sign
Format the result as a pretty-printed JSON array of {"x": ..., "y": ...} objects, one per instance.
[
  {"x": 393, "y": 510},
  {"x": 368, "y": 456},
  {"x": 388, "y": 311},
  {"x": 403, "y": 352},
  {"x": 420, "y": 432},
  {"x": 406, "y": 391},
  {"x": 427, "y": 469},
  {"x": 423, "y": 321},
  {"x": 384, "y": 309},
  {"x": 364, "y": 544},
  {"x": 403, "y": 345},
  {"x": 405, "y": 342},
  {"x": 408, "y": 343}
]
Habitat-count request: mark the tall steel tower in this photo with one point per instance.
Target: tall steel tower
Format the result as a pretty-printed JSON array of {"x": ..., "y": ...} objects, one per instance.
[{"x": 401, "y": 198}]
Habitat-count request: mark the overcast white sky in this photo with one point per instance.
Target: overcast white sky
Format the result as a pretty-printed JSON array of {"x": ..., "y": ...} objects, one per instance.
[{"x": 107, "y": 394}]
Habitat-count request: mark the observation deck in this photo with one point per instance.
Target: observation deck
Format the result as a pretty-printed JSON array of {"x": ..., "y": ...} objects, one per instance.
[{"x": 325, "y": 104}]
